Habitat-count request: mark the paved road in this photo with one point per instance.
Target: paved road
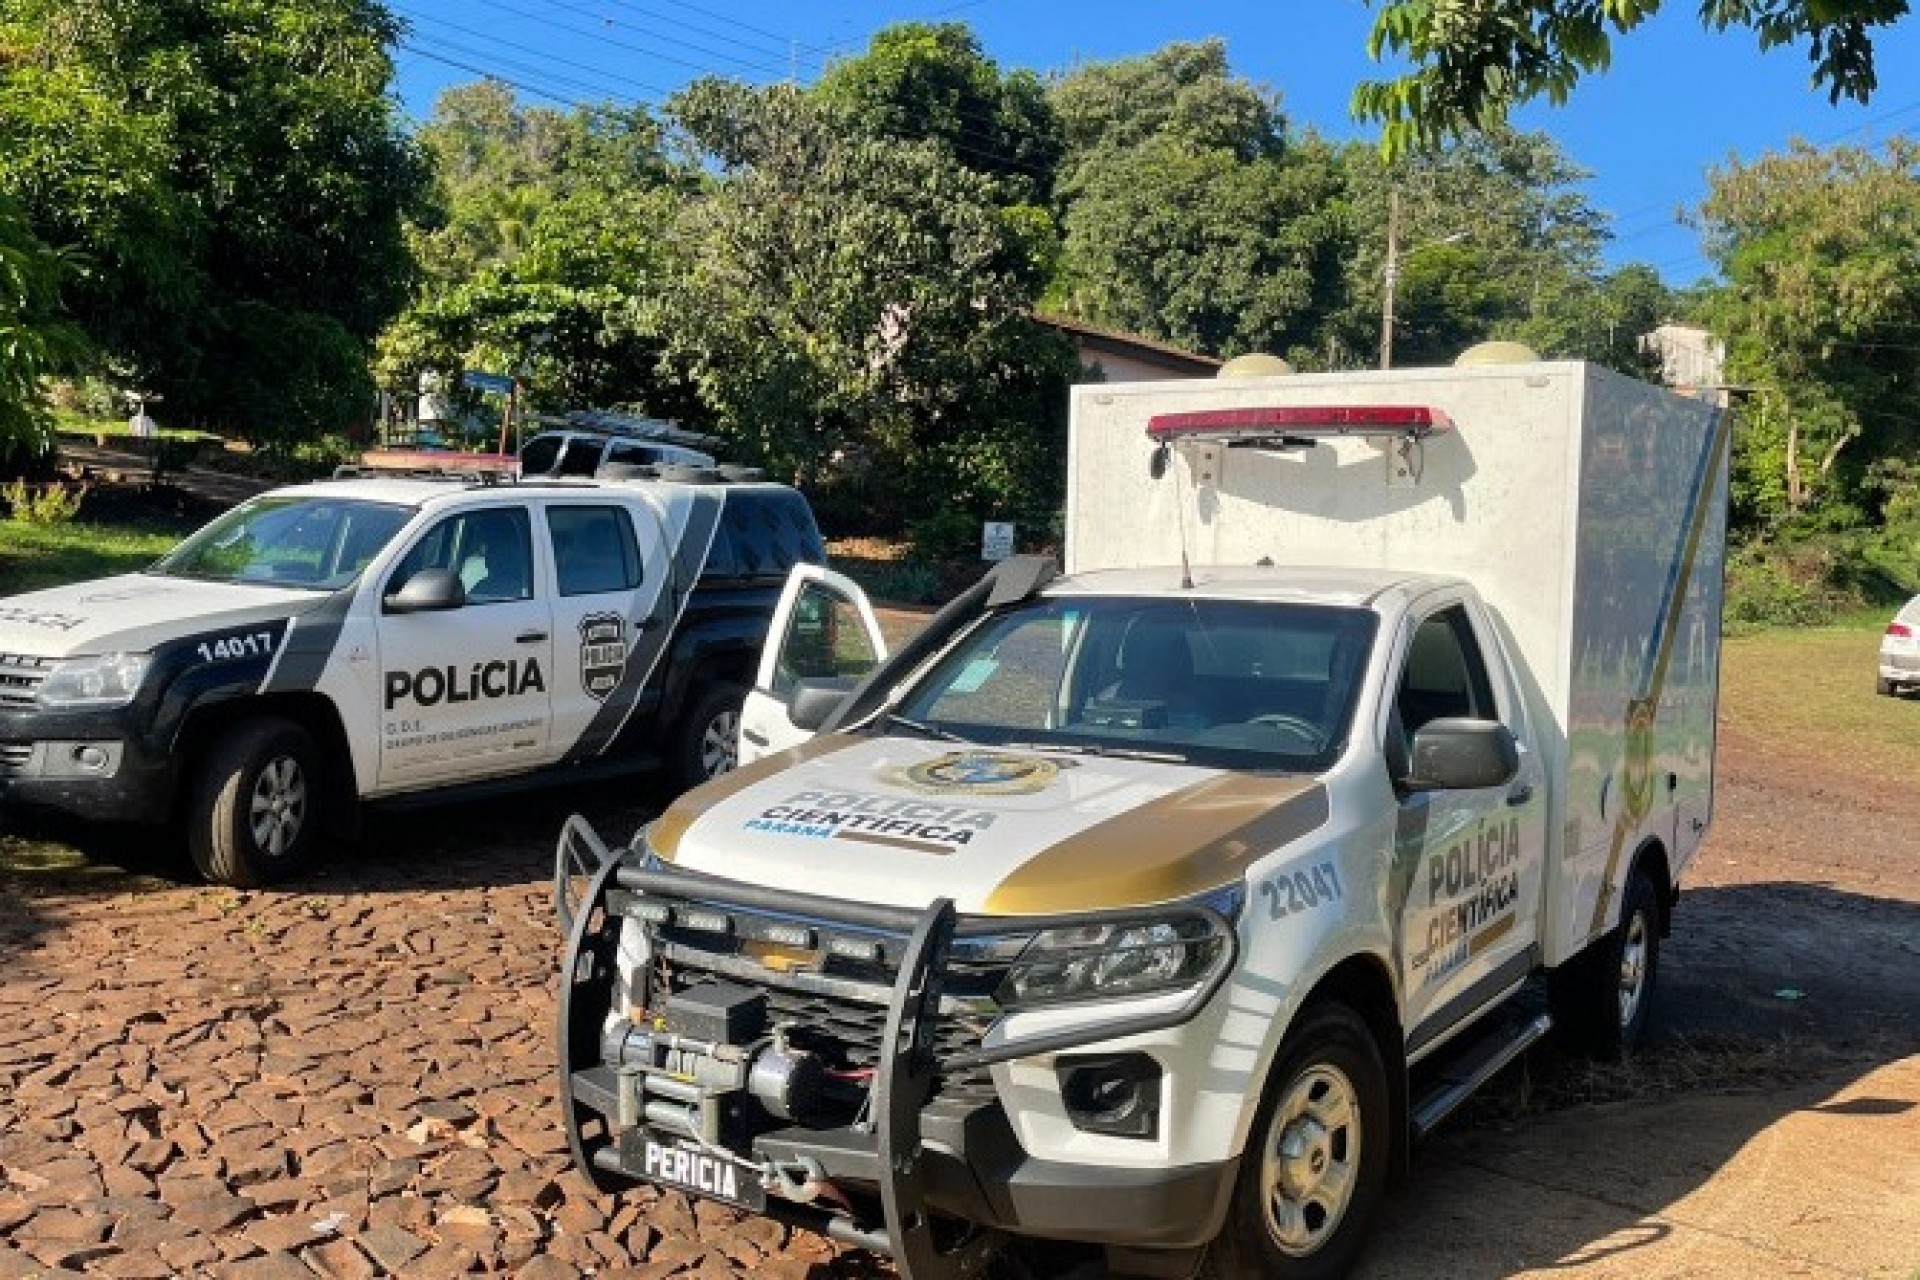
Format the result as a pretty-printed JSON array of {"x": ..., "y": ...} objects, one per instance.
[{"x": 217, "y": 487}]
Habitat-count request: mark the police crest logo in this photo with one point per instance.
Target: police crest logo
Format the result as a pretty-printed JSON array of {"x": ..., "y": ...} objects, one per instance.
[
  {"x": 603, "y": 653},
  {"x": 978, "y": 772}
]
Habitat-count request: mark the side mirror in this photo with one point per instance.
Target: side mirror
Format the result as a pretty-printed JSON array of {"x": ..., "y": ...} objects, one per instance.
[
  {"x": 1459, "y": 754},
  {"x": 814, "y": 700},
  {"x": 428, "y": 591}
]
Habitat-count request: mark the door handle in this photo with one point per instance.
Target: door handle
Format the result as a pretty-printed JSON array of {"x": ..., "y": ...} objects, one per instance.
[
  {"x": 1520, "y": 794},
  {"x": 757, "y": 739},
  {"x": 530, "y": 637}
]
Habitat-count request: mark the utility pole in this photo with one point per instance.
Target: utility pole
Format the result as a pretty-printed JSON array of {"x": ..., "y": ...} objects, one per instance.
[
  {"x": 1391, "y": 284},
  {"x": 1392, "y": 280}
]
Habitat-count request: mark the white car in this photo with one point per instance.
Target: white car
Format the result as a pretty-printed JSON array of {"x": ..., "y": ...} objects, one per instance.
[{"x": 1900, "y": 651}]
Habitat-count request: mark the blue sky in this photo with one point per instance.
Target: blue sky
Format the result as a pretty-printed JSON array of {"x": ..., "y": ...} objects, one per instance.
[{"x": 1676, "y": 101}]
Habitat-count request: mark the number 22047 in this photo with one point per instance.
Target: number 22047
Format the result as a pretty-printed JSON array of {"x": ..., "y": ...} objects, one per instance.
[{"x": 1302, "y": 890}]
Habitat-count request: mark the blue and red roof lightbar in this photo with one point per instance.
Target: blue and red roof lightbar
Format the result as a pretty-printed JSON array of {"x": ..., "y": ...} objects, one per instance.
[{"x": 1254, "y": 427}]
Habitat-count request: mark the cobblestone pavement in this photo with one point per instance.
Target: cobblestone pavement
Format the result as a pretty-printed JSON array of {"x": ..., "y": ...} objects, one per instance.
[{"x": 352, "y": 1078}]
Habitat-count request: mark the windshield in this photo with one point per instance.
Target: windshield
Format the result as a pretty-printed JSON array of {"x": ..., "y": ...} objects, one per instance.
[
  {"x": 1224, "y": 683},
  {"x": 319, "y": 543}
]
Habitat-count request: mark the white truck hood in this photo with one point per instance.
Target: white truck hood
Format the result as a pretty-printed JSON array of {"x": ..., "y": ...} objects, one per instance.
[
  {"x": 901, "y": 822},
  {"x": 133, "y": 612}
]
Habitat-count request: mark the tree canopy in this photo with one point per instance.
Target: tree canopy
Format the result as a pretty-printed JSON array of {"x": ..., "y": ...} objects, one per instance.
[
  {"x": 1820, "y": 250},
  {"x": 229, "y": 178},
  {"x": 851, "y": 300},
  {"x": 541, "y": 249},
  {"x": 1473, "y": 60}
]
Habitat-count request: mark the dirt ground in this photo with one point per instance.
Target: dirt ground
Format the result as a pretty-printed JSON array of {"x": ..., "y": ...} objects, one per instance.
[{"x": 355, "y": 1077}]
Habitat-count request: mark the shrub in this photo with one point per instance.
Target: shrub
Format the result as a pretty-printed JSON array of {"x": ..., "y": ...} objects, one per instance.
[
  {"x": 52, "y": 504},
  {"x": 906, "y": 582},
  {"x": 946, "y": 535}
]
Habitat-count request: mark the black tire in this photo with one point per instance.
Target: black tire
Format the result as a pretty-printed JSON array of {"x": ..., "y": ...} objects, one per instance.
[
  {"x": 1601, "y": 998},
  {"x": 1325, "y": 1110},
  {"x": 709, "y": 741},
  {"x": 1883, "y": 686},
  {"x": 252, "y": 808}
]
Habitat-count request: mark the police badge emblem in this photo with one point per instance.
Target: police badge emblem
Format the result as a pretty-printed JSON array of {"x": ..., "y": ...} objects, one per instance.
[{"x": 603, "y": 653}]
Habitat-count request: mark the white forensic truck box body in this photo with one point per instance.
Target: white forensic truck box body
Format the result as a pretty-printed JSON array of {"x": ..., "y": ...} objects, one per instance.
[
  {"x": 1161, "y": 905},
  {"x": 1585, "y": 507}
]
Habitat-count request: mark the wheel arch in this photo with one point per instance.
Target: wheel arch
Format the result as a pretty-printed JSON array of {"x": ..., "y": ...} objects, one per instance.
[
  {"x": 311, "y": 711},
  {"x": 1651, "y": 858},
  {"x": 1363, "y": 983}
]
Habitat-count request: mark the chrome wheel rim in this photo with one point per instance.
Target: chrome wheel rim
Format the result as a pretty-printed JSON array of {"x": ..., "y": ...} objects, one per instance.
[
  {"x": 1634, "y": 952},
  {"x": 278, "y": 807},
  {"x": 1311, "y": 1162},
  {"x": 720, "y": 744}
]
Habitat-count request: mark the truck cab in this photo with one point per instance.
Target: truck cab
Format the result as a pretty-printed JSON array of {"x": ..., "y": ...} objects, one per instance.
[{"x": 1158, "y": 904}]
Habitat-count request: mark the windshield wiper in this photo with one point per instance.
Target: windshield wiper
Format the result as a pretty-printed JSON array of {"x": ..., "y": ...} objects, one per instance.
[
  {"x": 1091, "y": 749},
  {"x": 926, "y": 730}
]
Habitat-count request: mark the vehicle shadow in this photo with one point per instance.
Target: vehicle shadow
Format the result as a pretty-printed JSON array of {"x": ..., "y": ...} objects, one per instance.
[{"x": 1783, "y": 1047}]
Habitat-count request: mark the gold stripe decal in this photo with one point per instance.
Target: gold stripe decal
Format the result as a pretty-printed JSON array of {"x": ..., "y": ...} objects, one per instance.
[
  {"x": 1185, "y": 843},
  {"x": 1637, "y": 784},
  {"x": 665, "y": 834}
]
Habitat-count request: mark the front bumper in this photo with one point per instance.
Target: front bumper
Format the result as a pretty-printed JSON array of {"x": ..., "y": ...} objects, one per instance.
[
  {"x": 930, "y": 1167},
  {"x": 83, "y": 764}
]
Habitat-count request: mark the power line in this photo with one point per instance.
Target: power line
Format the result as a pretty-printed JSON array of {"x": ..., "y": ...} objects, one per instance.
[
  {"x": 540, "y": 81},
  {"x": 484, "y": 73},
  {"x": 573, "y": 7}
]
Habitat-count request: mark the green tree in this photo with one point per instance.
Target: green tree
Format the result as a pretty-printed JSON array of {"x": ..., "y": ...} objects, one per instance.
[
  {"x": 1198, "y": 247},
  {"x": 34, "y": 341},
  {"x": 233, "y": 175},
  {"x": 1475, "y": 59},
  {"x": 1183, "y": 91},
  {"x": 1187, "y": 215},
  {"x": 1496, "y": 240},
  {"x": 852, "y": 301},
  {"x": 1820, "y": 251},
  {"x": 544, "y": 253},
  {"x": 926, "y": 81}
]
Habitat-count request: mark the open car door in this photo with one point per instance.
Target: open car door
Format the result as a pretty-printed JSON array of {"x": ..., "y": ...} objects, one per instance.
[{"x": 823, "y": 634}]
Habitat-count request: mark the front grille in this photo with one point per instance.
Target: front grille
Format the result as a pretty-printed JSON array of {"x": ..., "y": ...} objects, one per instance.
[
  {"x": 15, "y": 756},
  {"x": 20, "y": 678}
]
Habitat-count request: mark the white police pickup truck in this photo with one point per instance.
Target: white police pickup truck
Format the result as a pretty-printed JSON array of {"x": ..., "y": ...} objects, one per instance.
[
  {"x": 366, "y": 638},
  {"x": 1160, "y": 905}
]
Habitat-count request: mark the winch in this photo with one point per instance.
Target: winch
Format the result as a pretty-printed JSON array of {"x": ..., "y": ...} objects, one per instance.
[{"x": 708, "y": 1068}]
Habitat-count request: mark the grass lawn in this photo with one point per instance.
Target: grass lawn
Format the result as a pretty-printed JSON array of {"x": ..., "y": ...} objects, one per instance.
[
  {"x": 1815, "y": 687},
  {"x": 46, "y": 555}
]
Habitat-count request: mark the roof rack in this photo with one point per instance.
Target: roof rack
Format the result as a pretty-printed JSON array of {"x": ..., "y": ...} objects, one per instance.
[
  {"x": 607, "y": 422},
  {"x": 471, "y": 476}
]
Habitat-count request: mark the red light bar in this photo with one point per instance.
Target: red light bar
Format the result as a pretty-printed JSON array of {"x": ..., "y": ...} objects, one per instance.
[
  {"x": 1900, "y": 630},
  {"x": 1231, "y": 425}
]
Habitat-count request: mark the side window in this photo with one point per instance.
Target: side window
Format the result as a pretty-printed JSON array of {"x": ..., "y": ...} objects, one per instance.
[
  {"x": 1445, "y": 674},
  {"x": 594, "y": 550},
  {"x": 582, "y": 456},
  {"x": 489, "y": 550},
  {"x": 825, "y": 639},
  {"x": 638, "y": 455}
]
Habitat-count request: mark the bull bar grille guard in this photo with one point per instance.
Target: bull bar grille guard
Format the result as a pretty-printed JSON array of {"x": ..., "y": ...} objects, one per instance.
[{"x": 919, "y": 945}]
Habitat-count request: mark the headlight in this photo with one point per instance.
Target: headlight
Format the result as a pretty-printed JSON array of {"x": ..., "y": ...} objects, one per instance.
[
  {"x": 104, "y": 680},
  {"x": 1106, "y": 961}
]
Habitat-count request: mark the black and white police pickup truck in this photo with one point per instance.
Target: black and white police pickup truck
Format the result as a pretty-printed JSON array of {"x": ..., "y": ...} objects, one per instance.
[{"x": 365, "y": 638}]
